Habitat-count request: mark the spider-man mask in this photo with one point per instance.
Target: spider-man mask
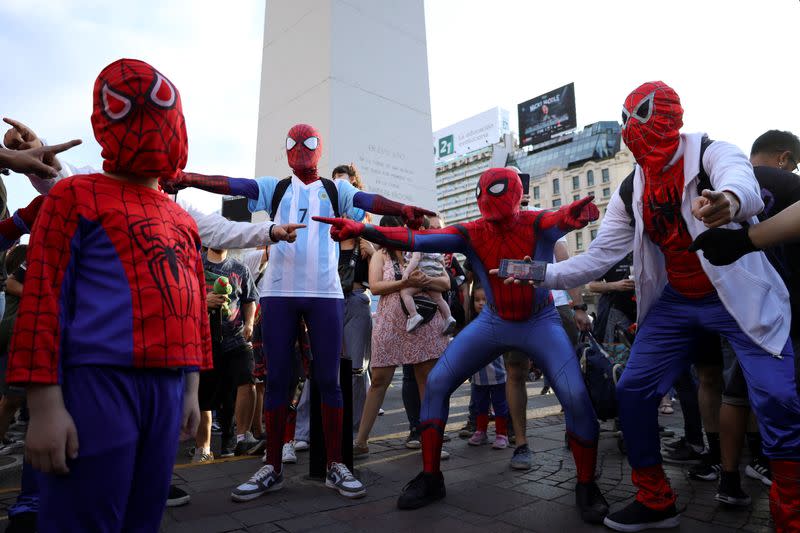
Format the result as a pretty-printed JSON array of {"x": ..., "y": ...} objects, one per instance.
[
  {"x": 138, "y": 120},
  {"x": 303, "y": 150},
  {"x": 652, "y": 117},
  {"x": 499, "y": 193}
]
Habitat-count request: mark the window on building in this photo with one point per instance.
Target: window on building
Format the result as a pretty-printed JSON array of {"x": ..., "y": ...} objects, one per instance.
[
  {"x": 536, "y": 192},
  {"x": 590, "y": 178},
  {"x": 556, "y": 187},
  {"x": 576, "y": 197},
  {"x": 579, "y": 240},
  {"x": 576, "y": 182},
  {"x": 593, "y": 234},
  {"x": 590, "y": 193},
  {"x": 606, "y": 192},
  {"x": 606, "y": 176},
  {"x": 537, "y": 206},
  {"x": 557, "y": 202}
]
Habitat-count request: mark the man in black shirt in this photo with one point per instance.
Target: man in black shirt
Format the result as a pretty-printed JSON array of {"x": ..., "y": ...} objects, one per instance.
[
  {"x": 618, "y": 293},
  {"x": 774, "y": 155}
]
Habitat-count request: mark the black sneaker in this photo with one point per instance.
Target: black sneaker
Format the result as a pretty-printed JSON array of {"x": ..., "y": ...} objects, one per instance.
[
  {"x": 638, "y": 517},
  {"x": 248, "y": 446},
  {"x": 730, "y": 490},
  {"x": 412, "y": 441},
  {"x": 708, "y": 470},
  {"x": 422, "y": 490},
  {"x": 591, "y": 503},
  {"x": 683, "y": 456},
  {"x": 177, "y": 497},
  {"x": 467, "y": 431},
  {"x": 759, "y": 469},
  {"x": 22, "y": 523}
]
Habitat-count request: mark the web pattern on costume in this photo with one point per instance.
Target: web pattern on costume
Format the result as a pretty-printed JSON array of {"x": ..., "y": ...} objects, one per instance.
[
  {"x": 158, "y": 247},
  {"x": 139, "y": 119}
]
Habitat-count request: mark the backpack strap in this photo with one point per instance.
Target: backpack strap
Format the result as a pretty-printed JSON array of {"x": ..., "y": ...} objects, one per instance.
[
  {"x": 703, "y": 179},
  {"x": 333, "y": 195},
  {"x": 626, "y": 194},
  {"x": 277, "y": 196}
]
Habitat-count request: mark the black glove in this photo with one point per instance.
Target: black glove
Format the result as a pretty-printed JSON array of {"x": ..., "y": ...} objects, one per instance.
[{"x": 723, "y": 246}]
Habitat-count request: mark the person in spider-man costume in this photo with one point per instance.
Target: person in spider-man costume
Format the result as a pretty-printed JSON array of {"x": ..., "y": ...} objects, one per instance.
[
  {"x": 108, "y": 399},
  {"x": 301, "y": 281},
  {"x": 681, "y": 295},
  {"x": 515, "y": 318}
]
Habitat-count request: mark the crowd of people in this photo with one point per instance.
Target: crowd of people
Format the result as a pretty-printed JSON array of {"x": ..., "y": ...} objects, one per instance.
[{"x": 132, "y": 322}]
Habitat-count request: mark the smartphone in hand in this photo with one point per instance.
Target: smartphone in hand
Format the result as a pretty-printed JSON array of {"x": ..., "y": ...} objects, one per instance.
[{"x": 524, "y": 270}]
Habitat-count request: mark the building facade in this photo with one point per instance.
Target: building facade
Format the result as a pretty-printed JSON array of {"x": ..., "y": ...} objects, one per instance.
[{"x": 590, "y": 162}]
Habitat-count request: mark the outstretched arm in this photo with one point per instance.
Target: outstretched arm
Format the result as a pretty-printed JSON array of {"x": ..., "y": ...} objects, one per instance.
[
  {"x": 447, "y": 239},
  {"x": 217, "y": 184},
  {"x": 724, "y": 246},
  {"x": 375, "y": 203},
  {"x": 552, "y": 225}
]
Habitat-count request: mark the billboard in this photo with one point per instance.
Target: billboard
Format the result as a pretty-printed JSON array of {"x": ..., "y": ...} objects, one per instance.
[
  {"x": 474, "y": 133},
  {"x": 542, "y": 117}
]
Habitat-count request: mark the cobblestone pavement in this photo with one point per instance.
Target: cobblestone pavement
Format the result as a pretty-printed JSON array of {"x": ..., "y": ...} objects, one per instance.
[{"x": 483, "y": 494}]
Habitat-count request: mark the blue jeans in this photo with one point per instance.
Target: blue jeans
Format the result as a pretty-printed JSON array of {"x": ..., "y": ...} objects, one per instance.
[
  {"x": 542, "y": 337},
  {"x": 662, "y": 351}
]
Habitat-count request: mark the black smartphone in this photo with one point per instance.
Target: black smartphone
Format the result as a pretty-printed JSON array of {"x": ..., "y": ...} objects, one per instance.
[
  {"x": 525, "y": 270},
  {"x": 526, "y": 186}
]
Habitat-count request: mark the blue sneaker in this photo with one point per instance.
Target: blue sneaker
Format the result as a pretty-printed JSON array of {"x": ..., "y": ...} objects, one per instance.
[{"x": 263, "y": 481}]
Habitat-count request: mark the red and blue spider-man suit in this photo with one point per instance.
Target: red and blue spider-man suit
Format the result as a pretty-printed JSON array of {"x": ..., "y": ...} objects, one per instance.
[
  {"x": 114, "y": 311},
  {"x": 515, "y": 318},
  {"x": 301, "y": 279}
]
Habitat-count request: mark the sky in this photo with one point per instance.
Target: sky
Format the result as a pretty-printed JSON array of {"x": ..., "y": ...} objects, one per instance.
[{"x": 731, "y": 61}]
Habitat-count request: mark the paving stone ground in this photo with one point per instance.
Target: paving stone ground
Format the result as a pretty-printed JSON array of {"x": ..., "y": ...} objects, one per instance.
[{"x": 483, "y": 494}]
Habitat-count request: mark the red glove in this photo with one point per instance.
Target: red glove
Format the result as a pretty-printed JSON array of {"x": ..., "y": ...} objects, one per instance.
[
  {"x": 579, "y": 213},
  {"x": 28, "y": 214},
  {"x": 342, "y": 228},
  {"x": 414, "y": 216}
]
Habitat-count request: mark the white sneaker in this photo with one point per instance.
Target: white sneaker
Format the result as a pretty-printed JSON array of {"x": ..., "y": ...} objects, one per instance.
[
  {"x": 413, "y": 322},
  {"x": 449, "y": 327},
  {"x": 263, "y": 481},
  {"x": 444, "y": 455},
  {"x": 300, "y": 445},
  {"x": 340, "y": 478},
  {"x": 288, "y": 455}
]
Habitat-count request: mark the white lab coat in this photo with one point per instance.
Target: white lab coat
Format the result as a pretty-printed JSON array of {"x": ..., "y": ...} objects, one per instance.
[{"x": 750, "y": 288}]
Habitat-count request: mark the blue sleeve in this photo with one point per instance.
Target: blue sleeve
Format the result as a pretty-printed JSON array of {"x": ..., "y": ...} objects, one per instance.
[
  {"x": 266, "y": 188},
  {"x": 439, "y": 243},
  {"x": 346, "y": 194}
]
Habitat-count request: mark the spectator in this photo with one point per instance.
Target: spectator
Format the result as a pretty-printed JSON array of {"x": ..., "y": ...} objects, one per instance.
[
  {"x": 13, "y": 397},
  {"x": 392, "y": 345},
  {"x": 618, "y": 288},
  {"x": 256, "y": 263},
  {"x": 354, "y": 258},
  {"x": 488, "y": 385},
  {"x": 230, "y": 385}
]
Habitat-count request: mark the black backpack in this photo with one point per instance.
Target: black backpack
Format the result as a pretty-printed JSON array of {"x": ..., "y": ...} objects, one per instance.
[
  {"x": 598, "y": 375},
  {"x": 280, "y": 190},
  {"x": 703, "y": 181}
]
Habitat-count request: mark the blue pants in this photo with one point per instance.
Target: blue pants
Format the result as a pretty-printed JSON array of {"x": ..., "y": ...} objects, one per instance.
[
  {"x": 28, "y": 498},
  {"x": 128, "y": 423},
  {"x": 325, "y": 319},
  {"x": 542, "y": 337},
  {"x": 661, "y": 352},
  {"x": 494, "y": 394}
]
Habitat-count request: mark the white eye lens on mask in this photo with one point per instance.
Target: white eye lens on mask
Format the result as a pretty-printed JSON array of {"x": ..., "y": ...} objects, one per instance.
[
  {"x": 311, "y": 143},
  {"x": 290, "y": 143}
]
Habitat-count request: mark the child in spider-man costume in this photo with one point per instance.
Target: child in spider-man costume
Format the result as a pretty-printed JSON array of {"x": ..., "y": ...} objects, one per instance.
[
  {"x": 302, "y": 280},
  {"x": 108, "y": 398},
  {"x": 514, "y": 319},
  {"x": 681, "y": 295}
]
